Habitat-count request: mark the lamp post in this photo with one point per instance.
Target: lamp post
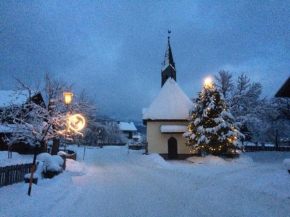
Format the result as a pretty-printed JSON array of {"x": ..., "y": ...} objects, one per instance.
[
  {"x": 75, "y": 122},
  {"x": 33, "y": 168},
  {"x": 67, "y": 101}
]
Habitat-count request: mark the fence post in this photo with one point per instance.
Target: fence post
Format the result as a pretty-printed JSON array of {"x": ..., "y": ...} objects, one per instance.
[{"x": 6, "y": 176}]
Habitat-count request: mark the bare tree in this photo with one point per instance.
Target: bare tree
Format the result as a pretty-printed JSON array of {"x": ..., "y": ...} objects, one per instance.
[
  {"x": 53, "y": 90},
  {"x": 224, "y": 82},
  {"x": 32, "y": 124},
  {"x": 243, "y": 98},
  {"x": 35, "y": 123},
  {"x": 112, "y": 134}
]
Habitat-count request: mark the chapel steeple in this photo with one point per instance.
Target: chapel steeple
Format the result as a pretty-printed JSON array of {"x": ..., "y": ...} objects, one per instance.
[{"x": 168, "y": 65}]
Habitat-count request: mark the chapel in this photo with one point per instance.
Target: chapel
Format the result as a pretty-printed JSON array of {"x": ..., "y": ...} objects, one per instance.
[{"x": 167, "y": 116}]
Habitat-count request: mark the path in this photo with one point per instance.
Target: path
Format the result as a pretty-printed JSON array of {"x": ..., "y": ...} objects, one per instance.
[{"x": 118, "y": 184}]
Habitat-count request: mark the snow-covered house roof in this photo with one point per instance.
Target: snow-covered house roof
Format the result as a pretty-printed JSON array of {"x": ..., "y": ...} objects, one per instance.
[
  {"x": 127, "y": 126},
  {"x": 11, "y": 97},
  {"x": 170, "y": 104}
]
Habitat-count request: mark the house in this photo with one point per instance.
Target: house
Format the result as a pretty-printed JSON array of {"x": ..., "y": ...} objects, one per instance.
[
  {"x": 137, "y": 137},
  {"x": 167, "y": 116},
  {"x": 284, "y": 91},
  {"x": 10, "y": 99},
  {"x": 128, "y": 128}
]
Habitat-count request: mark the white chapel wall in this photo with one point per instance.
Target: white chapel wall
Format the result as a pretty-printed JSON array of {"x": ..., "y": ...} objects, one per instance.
[{"x": 158, "y": 143}]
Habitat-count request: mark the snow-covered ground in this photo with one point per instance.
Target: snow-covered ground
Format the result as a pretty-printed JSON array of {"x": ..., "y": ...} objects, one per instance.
[
  {"x": 16, "y": 159},
  {"x": 111, "y": 182}
]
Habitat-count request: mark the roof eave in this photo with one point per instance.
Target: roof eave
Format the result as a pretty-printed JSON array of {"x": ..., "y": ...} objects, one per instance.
[{"x": 284, "y": 91}]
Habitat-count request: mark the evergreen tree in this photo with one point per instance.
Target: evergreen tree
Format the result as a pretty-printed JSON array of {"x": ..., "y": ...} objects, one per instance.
[{"x": 212, "y": 129}]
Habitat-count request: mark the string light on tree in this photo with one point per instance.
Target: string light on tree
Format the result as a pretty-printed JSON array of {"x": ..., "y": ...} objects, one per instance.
[
  {"x": 76, "y": 122},
  {"x": 212, "y": 129}
]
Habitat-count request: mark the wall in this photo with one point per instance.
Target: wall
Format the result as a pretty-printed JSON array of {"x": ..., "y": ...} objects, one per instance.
[{"x": 158, "y": 142}]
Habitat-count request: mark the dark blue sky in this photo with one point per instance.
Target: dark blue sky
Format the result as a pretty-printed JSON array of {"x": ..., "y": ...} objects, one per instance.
[{"x": 114, "y": 49}]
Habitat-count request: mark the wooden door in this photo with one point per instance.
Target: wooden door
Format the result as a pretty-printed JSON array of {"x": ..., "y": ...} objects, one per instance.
[{"x": 172, "y": 148}]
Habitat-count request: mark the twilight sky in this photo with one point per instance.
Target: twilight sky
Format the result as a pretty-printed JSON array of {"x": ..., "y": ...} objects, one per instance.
[{"x": 114, "y": 49}]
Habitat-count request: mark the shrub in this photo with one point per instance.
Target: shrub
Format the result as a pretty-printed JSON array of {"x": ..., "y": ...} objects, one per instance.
[{"x": 52, "y": 166}]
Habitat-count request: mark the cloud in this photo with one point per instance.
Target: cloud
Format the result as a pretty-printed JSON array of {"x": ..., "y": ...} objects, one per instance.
[{"x": 115, "y": 49}]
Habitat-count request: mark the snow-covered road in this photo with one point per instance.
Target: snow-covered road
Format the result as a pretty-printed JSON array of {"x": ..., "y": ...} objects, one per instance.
[{"x": 120, "y": 184}]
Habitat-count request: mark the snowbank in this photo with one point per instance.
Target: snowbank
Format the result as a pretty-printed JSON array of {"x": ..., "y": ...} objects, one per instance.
[
  {"x": 208, "y": 160},
  {"x": 286, "y": 163},
  {"x": 156, "y": 160},
  {"x": 214, "y": 160},
  {"x": 75, "y": 168},
  {"x": 243, "y": 159}
]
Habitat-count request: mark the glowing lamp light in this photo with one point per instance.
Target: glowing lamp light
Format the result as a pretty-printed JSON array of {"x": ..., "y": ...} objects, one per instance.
[
  {"x": 76, "y": 122},
  {"x": 208, "y": 83},
  {"x": 67, "y": 98}
]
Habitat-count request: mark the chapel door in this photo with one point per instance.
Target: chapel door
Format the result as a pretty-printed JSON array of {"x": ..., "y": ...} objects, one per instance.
[{"x": 172, "y": 148}]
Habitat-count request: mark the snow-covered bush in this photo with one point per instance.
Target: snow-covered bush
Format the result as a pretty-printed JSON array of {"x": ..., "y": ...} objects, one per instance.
[
  {"x": 52, "y": 166},
  {"x": 41, "y": 157}
]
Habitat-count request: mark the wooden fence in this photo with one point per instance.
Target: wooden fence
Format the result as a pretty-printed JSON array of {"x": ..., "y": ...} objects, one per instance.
[
  {"x": 13, "y": 174},
  {"x": 266, "y": 148},
  {"x": 110, "y": 144}
]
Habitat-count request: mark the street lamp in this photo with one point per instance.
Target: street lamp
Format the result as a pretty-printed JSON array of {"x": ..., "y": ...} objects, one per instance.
[
  {"x": 208, "y": 83},
  {"x": 67, "y": 98}
]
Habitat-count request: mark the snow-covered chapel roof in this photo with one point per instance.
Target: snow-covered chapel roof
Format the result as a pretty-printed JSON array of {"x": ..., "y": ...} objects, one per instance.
[{"x": 170, "y": 104}]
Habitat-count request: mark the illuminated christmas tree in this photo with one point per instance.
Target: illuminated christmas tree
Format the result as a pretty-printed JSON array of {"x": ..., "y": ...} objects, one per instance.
[{"x": 212, "y": 128}]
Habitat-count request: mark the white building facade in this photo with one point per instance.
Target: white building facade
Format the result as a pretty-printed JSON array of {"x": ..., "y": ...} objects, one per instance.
[{"x": 167, "y": 119}]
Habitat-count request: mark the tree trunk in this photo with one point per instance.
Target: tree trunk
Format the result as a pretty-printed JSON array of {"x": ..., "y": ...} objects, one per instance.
[
  {"x": 43, "y": 147},
  {"x": 55, "y": 146}
]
